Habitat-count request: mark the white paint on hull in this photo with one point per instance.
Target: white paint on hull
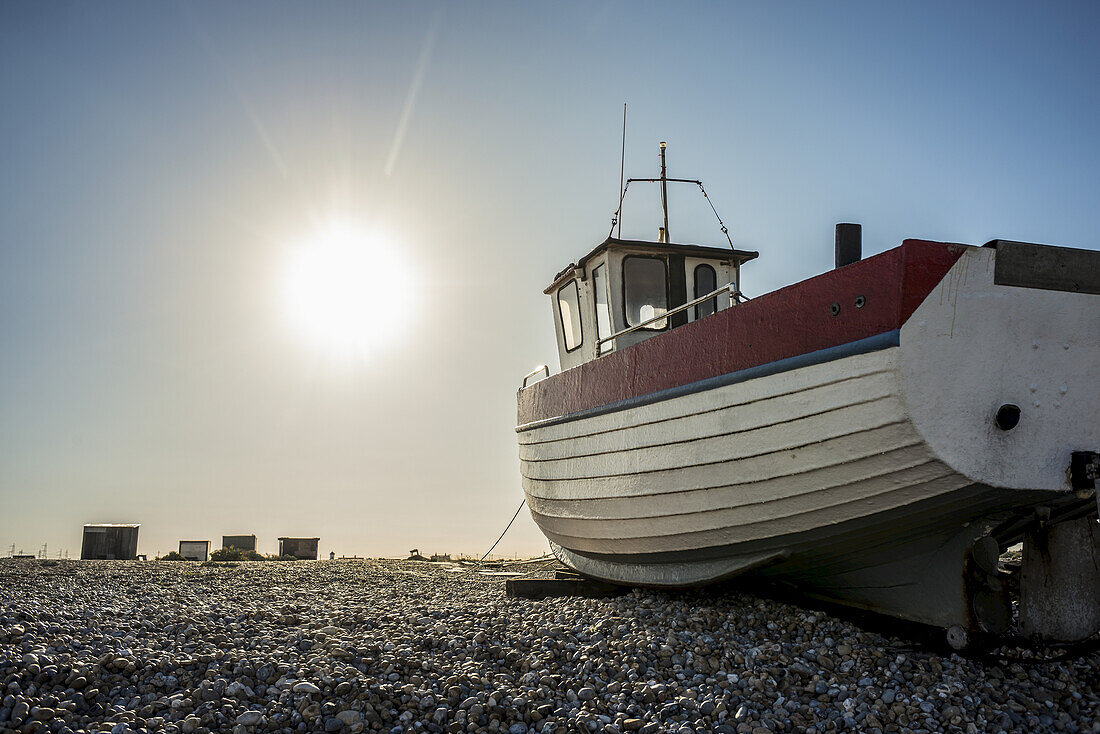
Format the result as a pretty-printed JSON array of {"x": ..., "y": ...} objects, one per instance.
[
  {"x": 803, "y": 435},
  {"x": 730, "y": 495},
  {"x": 668, "y": 574},
  {"x": 776, "y": 464},
  {"x": 728, "y": 527},
  {"x": 838, "y": 452}
]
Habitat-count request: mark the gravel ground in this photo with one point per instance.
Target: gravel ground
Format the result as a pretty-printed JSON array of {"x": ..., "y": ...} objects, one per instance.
[{"x": 407, "y": 646}]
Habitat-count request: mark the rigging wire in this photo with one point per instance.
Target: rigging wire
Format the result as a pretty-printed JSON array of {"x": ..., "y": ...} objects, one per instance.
[
  {"x": 616, "y": 218},
  {"x": 521, "y": 504},
  {"x": 722, "y": 224}
]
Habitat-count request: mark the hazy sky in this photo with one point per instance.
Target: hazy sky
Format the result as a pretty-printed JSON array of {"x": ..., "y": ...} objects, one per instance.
[{"x": 162, "y": 163}]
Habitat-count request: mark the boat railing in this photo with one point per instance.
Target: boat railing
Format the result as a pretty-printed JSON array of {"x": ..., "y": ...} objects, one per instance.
[
  {"x": 735, "y": 296},
  {"x": 541, "y": 368}
]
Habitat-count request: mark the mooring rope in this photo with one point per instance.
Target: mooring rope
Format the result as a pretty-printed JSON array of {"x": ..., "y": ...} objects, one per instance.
[{"x": 521, "y": 504}]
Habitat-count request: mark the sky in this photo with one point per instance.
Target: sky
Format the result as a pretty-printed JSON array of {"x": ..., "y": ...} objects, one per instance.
[{"x": 163, "y": 166}]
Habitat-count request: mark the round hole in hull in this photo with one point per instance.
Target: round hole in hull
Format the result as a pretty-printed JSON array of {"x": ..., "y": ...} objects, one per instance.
[{"x": 1008, "y": 416}]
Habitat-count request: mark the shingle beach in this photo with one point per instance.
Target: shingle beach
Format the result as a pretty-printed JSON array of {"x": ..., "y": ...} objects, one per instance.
[{"x": 396, "y": 646}]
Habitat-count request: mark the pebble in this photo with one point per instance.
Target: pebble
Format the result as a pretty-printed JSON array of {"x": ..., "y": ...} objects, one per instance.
[
  {"x": 250, "y": 718},
  {"x": 350, "y": 718},
  {"x": 44, "y": 714},
  {"x": 381, "y": 646}
]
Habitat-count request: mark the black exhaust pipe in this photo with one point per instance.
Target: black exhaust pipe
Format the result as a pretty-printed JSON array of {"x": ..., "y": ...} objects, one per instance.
[{"x": 848, "y": 244}]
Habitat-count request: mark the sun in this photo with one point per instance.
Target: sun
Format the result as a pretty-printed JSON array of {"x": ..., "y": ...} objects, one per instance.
[{"x": 346, "y": 290}]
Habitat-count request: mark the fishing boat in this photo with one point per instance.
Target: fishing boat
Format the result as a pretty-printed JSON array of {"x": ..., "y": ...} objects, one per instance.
[{"x": 876, "y": 436}]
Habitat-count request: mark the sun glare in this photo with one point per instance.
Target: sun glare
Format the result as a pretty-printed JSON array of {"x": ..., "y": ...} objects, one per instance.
[{"x": 347, "y": 290}]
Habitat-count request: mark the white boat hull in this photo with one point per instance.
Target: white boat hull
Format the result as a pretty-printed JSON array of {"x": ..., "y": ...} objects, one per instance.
[{"x": 843, "y": 474}]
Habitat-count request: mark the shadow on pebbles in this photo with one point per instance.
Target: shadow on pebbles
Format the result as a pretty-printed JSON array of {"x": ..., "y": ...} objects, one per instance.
[{"x": 395, "y": 646}]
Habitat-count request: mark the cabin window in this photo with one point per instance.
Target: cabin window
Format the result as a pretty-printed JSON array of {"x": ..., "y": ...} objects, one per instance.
[
  {"x": 645, "y": 286},
  {"x": 569, "y": 304},
  {"x": 603, "y": 309},
  {"x": 706, "y": 281}
]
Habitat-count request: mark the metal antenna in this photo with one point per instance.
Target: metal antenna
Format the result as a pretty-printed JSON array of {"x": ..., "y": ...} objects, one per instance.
[
  {"x": 664, "y": 192},
  {"x": 664, "y": 181},
  {"x": 622, "y": 166}
]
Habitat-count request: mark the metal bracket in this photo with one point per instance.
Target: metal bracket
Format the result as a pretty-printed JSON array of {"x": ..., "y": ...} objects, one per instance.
[{"x": 1084, "y": 469}]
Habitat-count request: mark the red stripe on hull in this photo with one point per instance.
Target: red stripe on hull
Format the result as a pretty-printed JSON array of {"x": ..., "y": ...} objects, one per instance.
[{"x": 785, "y": 323}]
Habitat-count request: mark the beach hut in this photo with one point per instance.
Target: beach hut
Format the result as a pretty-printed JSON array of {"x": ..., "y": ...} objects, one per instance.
[
  {"x": 108, "y": 541},
  {"x": 240, "y": 542},
  {"x": 301, "y": 548},
  {"x": 195, "y": 550}
]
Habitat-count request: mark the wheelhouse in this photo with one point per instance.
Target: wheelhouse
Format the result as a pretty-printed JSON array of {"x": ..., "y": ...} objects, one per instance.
[{"x": 626, "y": 291}]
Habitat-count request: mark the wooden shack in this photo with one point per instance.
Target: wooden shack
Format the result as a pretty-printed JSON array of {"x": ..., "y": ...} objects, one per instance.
[
  {"x": 240, "y": 542},
  {"x": 107, "y": 541},
  {"x": 195, "y": 550},
  {"x": 302, "y": 548}
]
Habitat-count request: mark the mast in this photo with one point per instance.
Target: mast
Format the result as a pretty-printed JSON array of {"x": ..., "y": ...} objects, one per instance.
[
  {"x": 664, "y": 192},
  {"x": 622, "y": 168}
]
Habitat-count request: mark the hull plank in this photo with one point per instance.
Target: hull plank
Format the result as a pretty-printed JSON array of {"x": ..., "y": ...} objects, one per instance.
[
  {"x": 720, "y": 420},
  {"x": 745, "y": 493},
  {"x": 788, "y": 436}
]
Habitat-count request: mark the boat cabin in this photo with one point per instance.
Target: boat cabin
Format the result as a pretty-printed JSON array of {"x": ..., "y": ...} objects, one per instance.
[{"x": 619, "y": 293}]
